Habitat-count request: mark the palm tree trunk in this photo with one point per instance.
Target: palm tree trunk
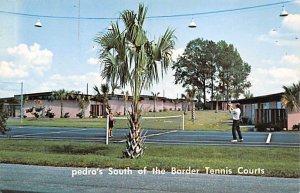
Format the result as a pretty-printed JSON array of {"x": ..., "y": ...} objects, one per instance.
[
  {"x": 61, "y": 109},
  {"x": 193, "y": 112},
  {"x": 134, "y": 143}
]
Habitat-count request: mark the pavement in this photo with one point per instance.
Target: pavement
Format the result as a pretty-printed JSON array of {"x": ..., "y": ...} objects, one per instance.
[
  {"x": 27, "y": 178},
  {"x": 207, "y": 138}
]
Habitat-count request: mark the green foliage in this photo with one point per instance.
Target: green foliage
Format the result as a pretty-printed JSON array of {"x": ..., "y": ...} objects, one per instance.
[
  {"x": 263, "y": 127},
  {"x": 214, "y": 68},
  {"x": 61, "y": 95},
  {"x": 3, "y": 118},
  {"x": 130, "y": 58},
  {"x": 248, "y": 94},
  {"x": 280, "y": 162},
  {"x": 291, "y": 97}
]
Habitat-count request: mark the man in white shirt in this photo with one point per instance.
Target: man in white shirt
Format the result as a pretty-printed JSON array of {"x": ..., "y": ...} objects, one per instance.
[{"x": 236, "y": 113}]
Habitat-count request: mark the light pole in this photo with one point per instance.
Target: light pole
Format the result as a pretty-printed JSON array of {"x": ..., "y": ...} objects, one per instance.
[{"x": 21, "y": 108}]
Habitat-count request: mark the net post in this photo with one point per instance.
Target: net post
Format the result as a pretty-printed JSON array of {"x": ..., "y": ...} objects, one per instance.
[
  {"x": 183, "y": 121},
  {"x": 107, "y": 119}
]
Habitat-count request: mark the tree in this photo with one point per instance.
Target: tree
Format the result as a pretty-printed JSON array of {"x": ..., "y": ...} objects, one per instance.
[
  {"x": 196, "y": 65},
  {"x": 114, "y": 86},
  {"x": 190, "y": 95},
  {"x": 291, "y": 97},
  {"x": 155, "y": 96},
  {"x": 125, "y": 97},
  {"x": 3, "y": 118},
  {"x": 232, "y": 71},
  {"x": 61, "y": 95},
  {"x": 104, "y": 89},
  {"x": 248, "y": 94},
  {"x": 83, "y": 102},
  {"x": 131, "y": 58}
]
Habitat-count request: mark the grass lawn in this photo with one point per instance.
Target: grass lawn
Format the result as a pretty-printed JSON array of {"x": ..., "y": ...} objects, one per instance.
[
  {"x": 205, "y": 120},
  {"x": 277, "y": 162}
]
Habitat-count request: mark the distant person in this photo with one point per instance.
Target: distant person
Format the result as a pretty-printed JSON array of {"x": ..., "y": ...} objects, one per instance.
[
  {"x": 236, "y": 113},
  {"x": 110, "y": 124}
]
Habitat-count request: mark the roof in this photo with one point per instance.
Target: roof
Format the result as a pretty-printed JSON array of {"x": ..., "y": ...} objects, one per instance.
[
  {"x": 261, "y": 99},
  {"x": 48, "y": 95}
]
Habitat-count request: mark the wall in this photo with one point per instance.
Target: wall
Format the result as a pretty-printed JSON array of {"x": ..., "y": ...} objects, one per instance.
[
  {"x": 70, "y": 106},
  {"x": 147, "y": 105},
  {"x": 117, "y": 106}
]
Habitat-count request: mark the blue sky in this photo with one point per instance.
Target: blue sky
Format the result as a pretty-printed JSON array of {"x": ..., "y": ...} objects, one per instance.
[{"x": 62, "y": 54}]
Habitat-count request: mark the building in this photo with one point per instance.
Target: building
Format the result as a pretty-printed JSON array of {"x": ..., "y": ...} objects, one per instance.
[
  {"x": 267, "y": 109},
  {"x": 263, "y": 109},
  {"x": 40, "y": 103}
]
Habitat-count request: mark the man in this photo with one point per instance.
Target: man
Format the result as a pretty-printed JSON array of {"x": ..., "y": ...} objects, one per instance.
[
  {"x": 236, "y": 113},
  {"x": 110, "y": 124}
]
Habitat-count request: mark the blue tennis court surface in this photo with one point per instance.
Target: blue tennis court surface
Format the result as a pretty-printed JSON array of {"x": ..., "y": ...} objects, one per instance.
[{"x": 217, "y": 138}]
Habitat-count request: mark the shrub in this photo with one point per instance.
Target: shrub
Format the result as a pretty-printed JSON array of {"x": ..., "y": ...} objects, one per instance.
[
  {"x": 3, "y": 118},
  {"x": 49, "y": 114},
  {"x": 296, "y": 127},
  {"x": 80, "y": 115},
  {"x": 246, "y": 120},
  {"x": 67, "y": 115},
  {"x": 262, "y": 127}
]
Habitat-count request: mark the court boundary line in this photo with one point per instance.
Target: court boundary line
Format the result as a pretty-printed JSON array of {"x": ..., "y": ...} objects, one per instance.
[
  {"x": 155, "y": 134},
  {"x": 57, "y": 132},
  {"x": 269, "y": 138},
  {"x": 226, "y": 144}
]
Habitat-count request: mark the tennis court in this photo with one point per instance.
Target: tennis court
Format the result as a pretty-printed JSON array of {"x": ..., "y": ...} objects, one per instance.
[{"x": 207, "y": 138}]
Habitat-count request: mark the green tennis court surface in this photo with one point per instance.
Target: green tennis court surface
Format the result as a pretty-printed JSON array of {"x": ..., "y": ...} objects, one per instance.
[{"x": 254, "y": 139}]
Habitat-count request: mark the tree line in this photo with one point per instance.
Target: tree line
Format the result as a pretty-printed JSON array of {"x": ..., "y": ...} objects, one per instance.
[{"x": 214, "y": 69}]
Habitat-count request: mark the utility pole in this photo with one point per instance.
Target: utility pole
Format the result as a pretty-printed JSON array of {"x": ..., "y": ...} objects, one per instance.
[{"x": 21, "y": 108}]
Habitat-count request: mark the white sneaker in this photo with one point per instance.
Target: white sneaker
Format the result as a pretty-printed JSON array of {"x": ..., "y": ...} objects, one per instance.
[
  {"x": 241, "y": 140},
  {"x": 234, "y": 141}
]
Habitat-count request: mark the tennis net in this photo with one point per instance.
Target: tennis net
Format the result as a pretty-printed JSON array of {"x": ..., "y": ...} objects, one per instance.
[{"x": 175, "y": 122}]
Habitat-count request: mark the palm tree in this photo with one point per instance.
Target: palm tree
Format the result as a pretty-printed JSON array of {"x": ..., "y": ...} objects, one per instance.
[
  {"x": 248, "y": 94},
  {"x": 105, "y": 92},
  {"x": 190, "y": 95},
  {"x": 104, "y": 89},
  {"x": 291, "y": 97},
  {"x": 61, "y": 95},
  {"x": 83, "y": 102},
  {"x": 3, "y": 118},
  {"x": 125, "y": 97},
  {"x": 155, "y": 96},
  {"x": 130, "y": 58},
  {"x": 114, "y": 86}
]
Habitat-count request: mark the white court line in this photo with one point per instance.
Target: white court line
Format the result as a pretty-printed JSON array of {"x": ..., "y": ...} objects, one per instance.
[
  {"x": 269, "y": 138},
  {"x": 32, "y": 134},
  {"x": 212, "y": 141},
  {"x": 161, "y": 133},
  {"x": 71, "y": 138},
  {"x": 219, "y": 136},
  {"x": 152, "y": 135},
  {"x": 224, "y": 144}
]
